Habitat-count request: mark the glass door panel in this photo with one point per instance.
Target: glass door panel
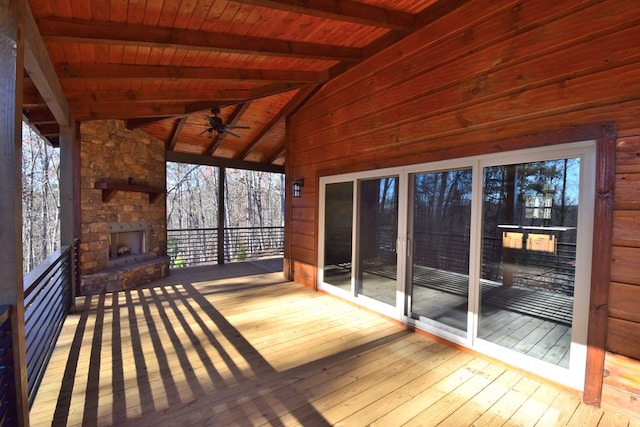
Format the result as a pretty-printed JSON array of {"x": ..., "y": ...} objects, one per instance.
[
  {"x": 338, "y": 234},
  {"x": 378, "y": 232},
  {"x": 529, "y": 231},
  {"x": 440, "y": 238}
]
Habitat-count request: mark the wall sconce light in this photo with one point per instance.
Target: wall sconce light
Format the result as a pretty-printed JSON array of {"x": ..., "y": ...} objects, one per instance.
[{"x": 297, "y": 187}]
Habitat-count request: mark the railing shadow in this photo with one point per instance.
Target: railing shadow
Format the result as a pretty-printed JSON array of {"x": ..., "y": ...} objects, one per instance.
[{"x": 167, "y": 354}]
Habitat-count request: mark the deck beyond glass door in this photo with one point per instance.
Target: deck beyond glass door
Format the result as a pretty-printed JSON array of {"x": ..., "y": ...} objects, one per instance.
[
  {"x": 439, "y": 235},
  {"x": 529, "y": 230},
  {"x": 338, "y": 232},
  {"x": 378, "y": 233}
]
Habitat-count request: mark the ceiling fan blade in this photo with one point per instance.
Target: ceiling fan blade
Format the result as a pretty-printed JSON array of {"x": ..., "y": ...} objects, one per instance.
[
  {"x": 232, "y": 133},
  {"x": 237, "y": 127},
  {"x": 209, "y": 130}
]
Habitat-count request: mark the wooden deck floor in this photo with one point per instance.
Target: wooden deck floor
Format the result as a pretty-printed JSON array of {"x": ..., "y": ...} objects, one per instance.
[{"x": 203, "y": 347}]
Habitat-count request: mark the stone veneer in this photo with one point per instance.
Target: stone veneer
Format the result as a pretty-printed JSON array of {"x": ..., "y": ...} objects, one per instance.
[{"x": 111, "y": 152}]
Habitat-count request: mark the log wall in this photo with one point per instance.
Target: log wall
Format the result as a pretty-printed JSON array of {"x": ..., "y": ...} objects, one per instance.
[{"x": 465, "y": 85}]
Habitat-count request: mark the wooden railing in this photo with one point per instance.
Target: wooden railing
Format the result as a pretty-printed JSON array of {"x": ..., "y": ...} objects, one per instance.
[
  {"x": 49, "y": 293},
  {"x": 190, "y": 247},
  {"x": 8, "y": 414}
]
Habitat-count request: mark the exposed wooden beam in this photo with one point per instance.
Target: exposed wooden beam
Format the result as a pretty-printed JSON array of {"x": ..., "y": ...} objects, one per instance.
[
  {"x": 176, "y": 133},
  {"x": 279, "y": 153},
  {"x": 292, "y": 105},
  {"x": 199, "y": 159},
  {"x": 50, "y": 129},
  {"x": 39, "y": 115},
  {"x": 345, "y": 10},
  {"x": 76, "y": 31},
  {"x": 438, "y": 10},
  {"x": 134, "y": 95},
  {"x": 131, "y": 110},
  {"x": 143, "y": 121},
  {"x": 156, "y": 72},
  {"x": 40, "y": 69}
]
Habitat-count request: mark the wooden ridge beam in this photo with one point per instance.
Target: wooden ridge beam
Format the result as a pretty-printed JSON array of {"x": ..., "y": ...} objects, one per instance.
[
  {"x": 77, "y": 31},
  {"x": 41, "y": 71},
  {"x": 345, "y": 10},
  {"x": 160, "y": 72}
]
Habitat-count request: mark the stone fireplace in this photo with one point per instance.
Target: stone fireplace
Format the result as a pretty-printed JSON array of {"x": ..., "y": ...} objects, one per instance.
[{"x": 123, "y": 240}]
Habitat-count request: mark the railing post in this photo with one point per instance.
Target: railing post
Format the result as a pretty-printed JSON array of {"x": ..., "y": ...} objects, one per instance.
[
  {"x": 12, "y": 32},
  {"x": 72, "y": 272},
  {"x": 221, "y": 210}
]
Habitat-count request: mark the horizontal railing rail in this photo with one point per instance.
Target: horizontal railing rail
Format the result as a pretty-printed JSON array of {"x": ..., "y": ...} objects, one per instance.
[
  {"x": 48, "y": 298},
  {"x": 8, "y": 409},
  {"x": 198, "y": 246}
]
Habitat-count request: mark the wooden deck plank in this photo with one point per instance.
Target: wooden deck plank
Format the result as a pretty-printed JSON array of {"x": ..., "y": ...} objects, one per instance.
[{"x": 256, "y": 350}]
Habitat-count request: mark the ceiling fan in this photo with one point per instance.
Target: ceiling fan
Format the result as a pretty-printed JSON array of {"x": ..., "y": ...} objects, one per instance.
[{"x": 215, "y": 124}]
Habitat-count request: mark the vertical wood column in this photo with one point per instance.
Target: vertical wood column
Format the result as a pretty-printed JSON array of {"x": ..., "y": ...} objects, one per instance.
[
  {"x": 222, "y": 175},
  {"x": 11, "y": 290},
  {"x": 69, "y": 183}
]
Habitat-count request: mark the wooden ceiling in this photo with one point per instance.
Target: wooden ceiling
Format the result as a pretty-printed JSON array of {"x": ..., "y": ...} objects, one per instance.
[{"x": 162, "y": 65}]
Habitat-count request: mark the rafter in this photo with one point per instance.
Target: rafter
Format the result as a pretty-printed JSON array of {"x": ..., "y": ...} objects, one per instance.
[
  {"x": 40, "y": 69},
  {"x": 345, "y": 10},
  {"x": 76, "y": 31},
  {"x": 292, "y": 105},
  {"x": 173, "y": 140},
  {"x": 156, "y": 72}
]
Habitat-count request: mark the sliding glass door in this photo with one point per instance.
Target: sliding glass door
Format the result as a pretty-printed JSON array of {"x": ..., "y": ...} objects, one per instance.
[
  {"x": 377, "y": 237},
  {"x": 529, "y": 233},
  {"x": 490, "y": 252},
  {"x": 338, "y": 234},
  {"x": 439, "y": 230}
]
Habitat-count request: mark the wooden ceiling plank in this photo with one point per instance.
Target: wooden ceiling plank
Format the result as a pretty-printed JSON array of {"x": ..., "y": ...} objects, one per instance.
[
  {"x": 155, "y": 72},
  {"x": 38, "y": 64},
  {"x": 345, "y": 10},
  {"x": 75, "y": 31}
]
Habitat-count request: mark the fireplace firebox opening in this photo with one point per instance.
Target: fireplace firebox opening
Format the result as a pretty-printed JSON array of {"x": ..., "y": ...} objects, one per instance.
[{"x": 127, "y": 242}]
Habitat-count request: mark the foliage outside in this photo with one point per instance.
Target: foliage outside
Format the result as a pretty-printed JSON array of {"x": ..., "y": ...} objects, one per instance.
[
  {"x": 40, "y": 199},
  {"x": 253, "y": 198}
]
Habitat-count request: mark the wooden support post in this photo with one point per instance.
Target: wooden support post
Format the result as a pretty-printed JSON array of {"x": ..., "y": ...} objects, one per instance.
[
  {"x": 69, "y": 183},
  {"x": 70, "y": 195},
  {"x": 11, "y": 290},
  {"x": 222, "y": 172}
]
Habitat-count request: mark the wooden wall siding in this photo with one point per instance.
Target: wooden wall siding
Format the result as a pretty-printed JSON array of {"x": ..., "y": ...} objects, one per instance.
[{"x": 467, "y": 83}]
